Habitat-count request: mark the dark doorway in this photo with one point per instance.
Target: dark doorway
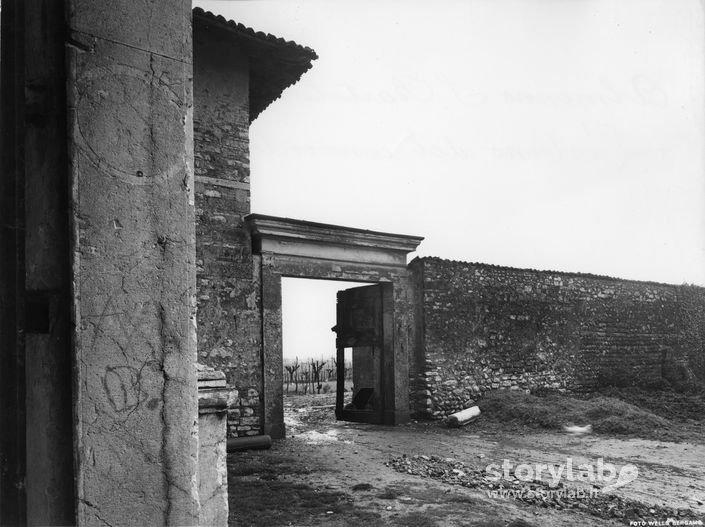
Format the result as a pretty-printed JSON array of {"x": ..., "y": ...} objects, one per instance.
[{"x": 364, "y": 318}]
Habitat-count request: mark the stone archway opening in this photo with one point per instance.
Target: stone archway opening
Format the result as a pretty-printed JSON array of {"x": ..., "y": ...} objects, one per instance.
[
  {"x": 286, "y": 248},
  {"x": 309, "y": 343}
]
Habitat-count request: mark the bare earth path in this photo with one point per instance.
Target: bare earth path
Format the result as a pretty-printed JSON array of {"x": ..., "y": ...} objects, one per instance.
[{"x": 334, "y": 473}]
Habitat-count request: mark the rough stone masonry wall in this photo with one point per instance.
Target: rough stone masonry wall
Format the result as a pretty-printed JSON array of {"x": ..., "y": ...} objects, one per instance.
[
  {"x": 229, "y": 323},
  {"x": 485, "y": 327}
]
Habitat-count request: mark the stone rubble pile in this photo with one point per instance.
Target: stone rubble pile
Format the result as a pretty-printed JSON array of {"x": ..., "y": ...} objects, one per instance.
[{"x": 536, "y": 493}]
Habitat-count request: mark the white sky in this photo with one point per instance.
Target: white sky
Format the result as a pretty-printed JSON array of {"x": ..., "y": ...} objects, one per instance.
[
  {"x": 550, "y": 134},
  {"x": 308, "y": 310}
]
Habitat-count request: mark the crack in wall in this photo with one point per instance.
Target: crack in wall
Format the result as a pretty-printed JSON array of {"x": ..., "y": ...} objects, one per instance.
[{"x": 96, "y": 512}]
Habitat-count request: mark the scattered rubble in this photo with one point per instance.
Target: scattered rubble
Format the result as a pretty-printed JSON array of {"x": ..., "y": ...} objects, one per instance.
[{"x": 536, "y": 493}]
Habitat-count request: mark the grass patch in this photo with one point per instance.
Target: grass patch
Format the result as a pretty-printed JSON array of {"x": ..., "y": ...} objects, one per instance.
[
  {"x": 273, "y": 503},
  {"x": 607, "y": 415},
  {"x": 414, "y": 520},
  {"x": 500, "y": 523},
  {"x": 266, "y": 467},
  {"x": 670, "y": 404},
  {"x": 389, "y": 494},
  {"x": 459, "y": 498},
  {"x": 260, "y": 495}
]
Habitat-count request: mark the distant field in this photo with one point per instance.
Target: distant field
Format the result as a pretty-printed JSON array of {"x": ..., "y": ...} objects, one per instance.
[{"x": 313, "y": 375}]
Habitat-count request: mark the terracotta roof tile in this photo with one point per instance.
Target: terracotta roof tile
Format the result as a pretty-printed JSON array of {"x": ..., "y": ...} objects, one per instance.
[{"x": 275, "y": 63}]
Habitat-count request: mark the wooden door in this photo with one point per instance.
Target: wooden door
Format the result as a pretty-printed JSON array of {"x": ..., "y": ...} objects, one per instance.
[{"x": 360, "y": 325}]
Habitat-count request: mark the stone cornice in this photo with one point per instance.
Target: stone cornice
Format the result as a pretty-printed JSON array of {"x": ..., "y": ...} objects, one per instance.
[{"x": 287, "y": 236}]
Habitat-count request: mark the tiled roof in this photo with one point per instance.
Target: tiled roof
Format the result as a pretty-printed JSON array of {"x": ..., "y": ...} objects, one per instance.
[{"x": 275, "y": 63}]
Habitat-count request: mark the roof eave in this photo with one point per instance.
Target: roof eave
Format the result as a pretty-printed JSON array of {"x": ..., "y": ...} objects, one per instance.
[{"x": 275, "y": 63}]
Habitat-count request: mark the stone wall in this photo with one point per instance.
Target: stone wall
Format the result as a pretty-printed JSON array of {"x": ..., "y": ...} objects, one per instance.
[
  {"x": 483, "y": 327},
  {"x": 229, "y": 324}
]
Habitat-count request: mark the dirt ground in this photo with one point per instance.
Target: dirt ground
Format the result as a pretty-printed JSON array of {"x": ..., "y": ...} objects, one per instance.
[{"x": 425, "y": 474}]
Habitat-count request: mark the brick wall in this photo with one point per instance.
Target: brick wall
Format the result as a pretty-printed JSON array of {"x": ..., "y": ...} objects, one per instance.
[
  {"x": 229, "y": 323},
  {"x": 483, "y": 327}
]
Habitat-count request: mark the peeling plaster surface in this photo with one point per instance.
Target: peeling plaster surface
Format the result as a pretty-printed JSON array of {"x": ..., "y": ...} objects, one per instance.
[
  {"x": 133, "y": 262},
  {"x": 213, "y": 468}
]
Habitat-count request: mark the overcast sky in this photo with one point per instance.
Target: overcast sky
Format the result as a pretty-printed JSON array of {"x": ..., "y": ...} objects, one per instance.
[{"x": 550, "y": 134}]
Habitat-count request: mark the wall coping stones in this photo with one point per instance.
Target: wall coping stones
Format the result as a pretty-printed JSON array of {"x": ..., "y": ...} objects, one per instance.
[{"x": 570, "y": 274}]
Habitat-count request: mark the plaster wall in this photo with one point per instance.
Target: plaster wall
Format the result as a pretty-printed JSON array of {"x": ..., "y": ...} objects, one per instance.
[
  {"x": 213, "y": 399},
  {"x": 133, "y": 240}
]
